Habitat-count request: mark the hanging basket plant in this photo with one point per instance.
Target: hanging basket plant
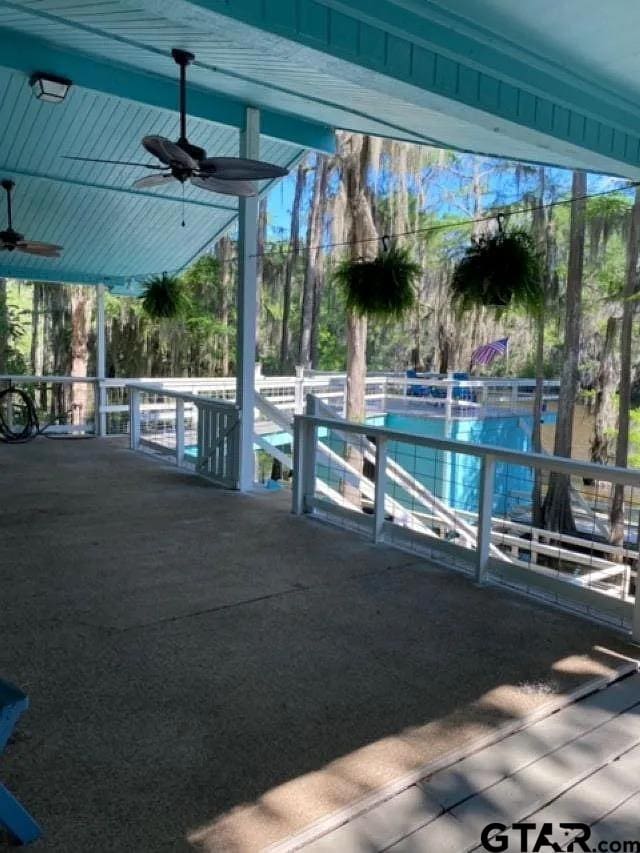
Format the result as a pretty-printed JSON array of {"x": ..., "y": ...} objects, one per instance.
[
  {"x": 164, "y": 297},
  {"x": 381, "y": 287},
  {"x": 498, "y": 271}
]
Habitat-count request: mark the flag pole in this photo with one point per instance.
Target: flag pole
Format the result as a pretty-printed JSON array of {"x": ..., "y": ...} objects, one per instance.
[{"x": 507, "y": 354}]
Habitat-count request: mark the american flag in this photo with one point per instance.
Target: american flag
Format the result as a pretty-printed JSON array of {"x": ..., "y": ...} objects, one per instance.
[{"x": 487, "y": 352}]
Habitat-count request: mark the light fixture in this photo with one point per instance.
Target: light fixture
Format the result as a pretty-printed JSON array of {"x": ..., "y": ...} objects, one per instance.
[{"x": 49, "y": 87}]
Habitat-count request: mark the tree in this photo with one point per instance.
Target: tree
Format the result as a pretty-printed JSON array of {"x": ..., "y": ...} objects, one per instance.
[
  {"x": 224, "y": 250},
  {"x": 292, "y": 258},
  {"x": 312, "y": 271},
  {"x": 557, "y": 512},
  {"x": 353, "y": 151},
  {"x": 624, "y": 392},
  {"x": 602, "y": 444},
  {"x": 80, "y": 325},
  {"x": 5, "y": 331}
]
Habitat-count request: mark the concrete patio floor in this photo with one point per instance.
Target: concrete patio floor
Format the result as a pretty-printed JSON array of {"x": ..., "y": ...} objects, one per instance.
[{"x": 208, "y": 672}]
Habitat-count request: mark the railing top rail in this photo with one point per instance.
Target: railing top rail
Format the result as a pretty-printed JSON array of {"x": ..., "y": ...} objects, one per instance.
[
  {"x": 309, "y": 379},
  {"x": 59, "y": 380},
  {"x": 562, "y": 465},
  {"x": 210, "y": 402}
]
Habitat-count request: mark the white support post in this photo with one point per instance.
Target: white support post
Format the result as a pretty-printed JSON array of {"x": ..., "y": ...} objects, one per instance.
[
  {"x": 246, "y": 306},
  {"x": 380, "y": 488},
  {"x": 515, "y": 392},
  {"x": 179, "y": 432},
  {"x": 134, "y": 418},
  {"x": 101, "y": 363},
  {"x": 485, "y": 511}
]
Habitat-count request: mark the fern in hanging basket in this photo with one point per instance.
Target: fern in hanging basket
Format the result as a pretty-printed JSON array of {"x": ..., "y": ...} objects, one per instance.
[
  {"x": 164, "y": 297},
  {"x": 382, "y": 287},
  {"x": 497, "y": 272}
]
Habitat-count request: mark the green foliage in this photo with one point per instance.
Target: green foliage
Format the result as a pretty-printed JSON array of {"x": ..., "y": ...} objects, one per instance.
[
  {"x": 382, "y": 287},
  {"x": 164, "y": 297},
  {"x": 633, "y": 459},
  {"x": 497, "y": 272}
]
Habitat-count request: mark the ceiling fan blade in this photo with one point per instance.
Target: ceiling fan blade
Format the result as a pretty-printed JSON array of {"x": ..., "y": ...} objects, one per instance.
[
  {"x": 33, "y": 247},
  {"x": 241, "y": 169},
  {"x": 153, "y": 181},
  {"x": 111, "y": 162},
  {"x": 238, "y": 188},
  {"x": 168, "y": 152}
]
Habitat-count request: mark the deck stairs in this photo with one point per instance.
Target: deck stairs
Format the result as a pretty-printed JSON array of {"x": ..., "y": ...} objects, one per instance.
[{"x": 429, "y": 504}]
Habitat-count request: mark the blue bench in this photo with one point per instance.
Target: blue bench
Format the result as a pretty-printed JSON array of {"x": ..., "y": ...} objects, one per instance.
[{"x": 13, "y": 816}]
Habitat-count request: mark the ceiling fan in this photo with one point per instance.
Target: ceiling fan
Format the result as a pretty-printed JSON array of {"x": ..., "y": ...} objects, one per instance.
[
  {"x": 10, "y": 240},
  {"x": 182, "y": 161}
]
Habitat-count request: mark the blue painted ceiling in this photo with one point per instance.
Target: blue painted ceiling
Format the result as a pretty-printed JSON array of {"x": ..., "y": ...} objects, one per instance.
[{"x": 553, "y": 81}]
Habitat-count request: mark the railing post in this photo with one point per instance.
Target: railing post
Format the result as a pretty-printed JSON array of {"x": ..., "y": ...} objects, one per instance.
[
  {"x": 515, "y": 392},
  {"x": 380, "y": 488},
  {"x": 449, "y": 400},
  {"x": 304, "y": 463},
  {"x": 298, "y": 391},
  {"x": 485, "y": 511},
  {"x": 134, "y": 418},
  {"x": 179, "y": 432}
]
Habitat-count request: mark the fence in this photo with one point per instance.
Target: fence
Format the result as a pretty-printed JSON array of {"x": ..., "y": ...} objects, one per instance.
[
  {"x": 389, "y": 485},
  {"x": 197, "y": 433}
]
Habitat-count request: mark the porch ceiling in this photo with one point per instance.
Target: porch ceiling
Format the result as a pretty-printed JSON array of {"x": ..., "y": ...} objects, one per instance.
[{"x": 555, "y": 84}]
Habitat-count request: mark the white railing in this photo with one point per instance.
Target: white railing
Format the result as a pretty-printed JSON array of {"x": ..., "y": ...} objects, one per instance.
[
  {"x": 578, "y": 571},
  {"x": 197, "y": 433},
  {"x": 446, "y": 395}
]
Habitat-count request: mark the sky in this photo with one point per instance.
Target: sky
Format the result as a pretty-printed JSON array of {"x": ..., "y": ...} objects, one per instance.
[{"x": 445, "y": 190}]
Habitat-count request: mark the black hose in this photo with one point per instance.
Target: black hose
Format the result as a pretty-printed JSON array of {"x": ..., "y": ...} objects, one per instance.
[{"x": 31, "y": 427}]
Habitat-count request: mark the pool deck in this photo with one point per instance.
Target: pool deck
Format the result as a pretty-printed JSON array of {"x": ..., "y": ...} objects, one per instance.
[{"x": 208, "y": 672}]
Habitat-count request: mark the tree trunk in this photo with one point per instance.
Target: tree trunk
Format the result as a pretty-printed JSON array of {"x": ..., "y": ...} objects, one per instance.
[
  {"x": 292, "y": 258},
  {"x": 224, "y": 251},
  {"x": 354, "y": 151},
  {"x": 4, "y": 327},
  {"x": 558, "y": 515},
  {"x": 624, "y": 394},
  {"x": 36, "y": 335},
  {"x": 80, "y": 323},
  {"x": 317, "y": 258},
  {"x": 602, "y": 442},
  {"x": 262, "y": 239},
  {"x": 314, "y": 238},
  {"x": 354, "y": 156}
]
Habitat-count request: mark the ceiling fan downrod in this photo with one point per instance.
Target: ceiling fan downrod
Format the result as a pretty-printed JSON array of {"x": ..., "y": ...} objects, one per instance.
[{"x": 8, "y": 187}]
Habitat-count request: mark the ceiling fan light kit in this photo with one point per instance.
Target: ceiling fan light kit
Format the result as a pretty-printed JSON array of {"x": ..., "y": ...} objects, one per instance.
[{"x": 183, "y": 161}]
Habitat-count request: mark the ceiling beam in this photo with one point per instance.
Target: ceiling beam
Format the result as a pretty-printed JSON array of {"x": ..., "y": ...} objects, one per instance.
[
  {"x": 26, "y": 54},
  {"x": 24, "y": 273}
]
